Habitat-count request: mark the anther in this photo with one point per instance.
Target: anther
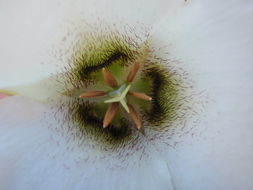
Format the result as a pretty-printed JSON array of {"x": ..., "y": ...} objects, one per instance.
[
  {"x": 109, "y": 78},
  {"x": 118, "y": 96},
  {"x": 92, "y": 94}
]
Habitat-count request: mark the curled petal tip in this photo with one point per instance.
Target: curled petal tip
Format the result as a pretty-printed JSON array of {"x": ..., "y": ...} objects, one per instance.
[{"x": 3, "y": 95}]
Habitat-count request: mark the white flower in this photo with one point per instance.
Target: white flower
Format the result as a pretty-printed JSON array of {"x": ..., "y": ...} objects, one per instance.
[{"x": 211, "y": 39}]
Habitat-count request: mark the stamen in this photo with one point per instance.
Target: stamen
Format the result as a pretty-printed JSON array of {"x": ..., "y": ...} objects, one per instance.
[
  {"x": 109, "y": 78},
  {"x": 134, "y": 115},
  {"x": 140, "y": 95},
  {"x": 133, "y": 72},
  {"x": 110, "y": 113},
  {"x": 118, "y": 96},
  {"x": 92, "y": 94}
]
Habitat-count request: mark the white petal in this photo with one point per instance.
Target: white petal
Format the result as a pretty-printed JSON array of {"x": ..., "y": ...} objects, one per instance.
[
  {"x": 32, "y": 34},
  {"x": 29, "y": 31},
  {"x": 26, "y": 34},
  {"x": 34, "y": 155},
  {"x": 213, "y": 40}
]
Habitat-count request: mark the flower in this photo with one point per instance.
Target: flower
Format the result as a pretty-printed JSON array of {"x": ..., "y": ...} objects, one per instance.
[{"x": 212, "y": 40}]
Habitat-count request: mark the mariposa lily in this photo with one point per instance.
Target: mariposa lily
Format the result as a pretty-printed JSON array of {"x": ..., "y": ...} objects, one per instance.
[{"x": 210, "y": 39}]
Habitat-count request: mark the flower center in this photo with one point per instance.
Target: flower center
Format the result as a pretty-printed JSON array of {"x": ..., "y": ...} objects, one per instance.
[{"x": 118, "y": 96}]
